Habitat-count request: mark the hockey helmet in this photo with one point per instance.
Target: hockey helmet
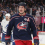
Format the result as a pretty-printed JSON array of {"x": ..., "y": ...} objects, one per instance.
[{"x": 22, "y": 4}]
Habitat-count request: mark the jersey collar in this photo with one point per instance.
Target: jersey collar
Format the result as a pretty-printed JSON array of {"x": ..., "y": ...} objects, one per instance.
[{"x": 23, "y": 15}]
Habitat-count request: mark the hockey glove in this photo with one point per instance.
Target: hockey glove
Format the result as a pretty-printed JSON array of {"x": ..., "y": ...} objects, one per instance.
[{"x": 36, "y": 40}]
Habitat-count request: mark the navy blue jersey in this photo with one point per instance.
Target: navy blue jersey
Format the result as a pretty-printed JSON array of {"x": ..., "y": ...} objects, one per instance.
[{"x": 23, "y": 26}]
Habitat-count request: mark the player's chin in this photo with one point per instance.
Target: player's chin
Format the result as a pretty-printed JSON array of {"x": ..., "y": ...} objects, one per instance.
[{"x": 21, "y": 12}]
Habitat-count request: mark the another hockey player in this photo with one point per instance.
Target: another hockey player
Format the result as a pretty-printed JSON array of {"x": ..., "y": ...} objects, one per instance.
[
  {"x": 4, "y": 25},
  {"x": 24, "y": 25}
]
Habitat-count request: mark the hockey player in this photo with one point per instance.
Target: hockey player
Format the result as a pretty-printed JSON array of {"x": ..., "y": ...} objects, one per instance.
[
  {"x": 4, "y": 25},
  {"x": 24, "y": 25}
]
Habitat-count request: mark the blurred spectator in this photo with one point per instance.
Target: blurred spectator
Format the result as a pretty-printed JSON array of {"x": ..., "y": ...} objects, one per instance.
[
  {"x": 30, "y": 4},
  {"x": 38, "y": 12},
  {"x": 28, "y": 9},
  {"x": 37, "y": 20},
  {"x": 44, "y": 6},
  {"x": 38, "y": 29},
  {"x": 33, "y": 12},
  {"x": 14, "y": 4},
  {"x": 12, "y": 13},
  {"x": 1, "y": 6},
  {"x": 3, "y": 12},
  {"x": 1, "y": 16}
]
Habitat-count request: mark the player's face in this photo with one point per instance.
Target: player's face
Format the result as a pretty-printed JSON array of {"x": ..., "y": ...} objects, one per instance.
[
  {"x": 21, "y": 9},
  {"x": 7, "y": 17}
]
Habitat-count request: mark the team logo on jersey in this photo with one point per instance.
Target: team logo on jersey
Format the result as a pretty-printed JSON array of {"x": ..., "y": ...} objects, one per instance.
[
  {"x": 27, "y": 19},
  {"x": 22, "y": 25}
]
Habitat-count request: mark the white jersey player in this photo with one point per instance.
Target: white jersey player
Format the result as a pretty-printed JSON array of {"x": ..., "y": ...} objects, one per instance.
[{"x": 4, "y": 25}]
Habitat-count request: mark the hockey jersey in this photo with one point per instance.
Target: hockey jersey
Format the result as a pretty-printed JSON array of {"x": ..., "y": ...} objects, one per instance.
[
  {"x": 23, "y": 27},
  {"x": 4, "y": 25}
]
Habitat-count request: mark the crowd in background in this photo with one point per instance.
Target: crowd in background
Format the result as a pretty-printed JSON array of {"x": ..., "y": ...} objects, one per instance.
[{"x": 11, "y": 6}]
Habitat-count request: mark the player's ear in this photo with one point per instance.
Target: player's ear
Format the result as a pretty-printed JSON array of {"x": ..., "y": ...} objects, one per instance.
[{"x": 25, "y": 9}]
